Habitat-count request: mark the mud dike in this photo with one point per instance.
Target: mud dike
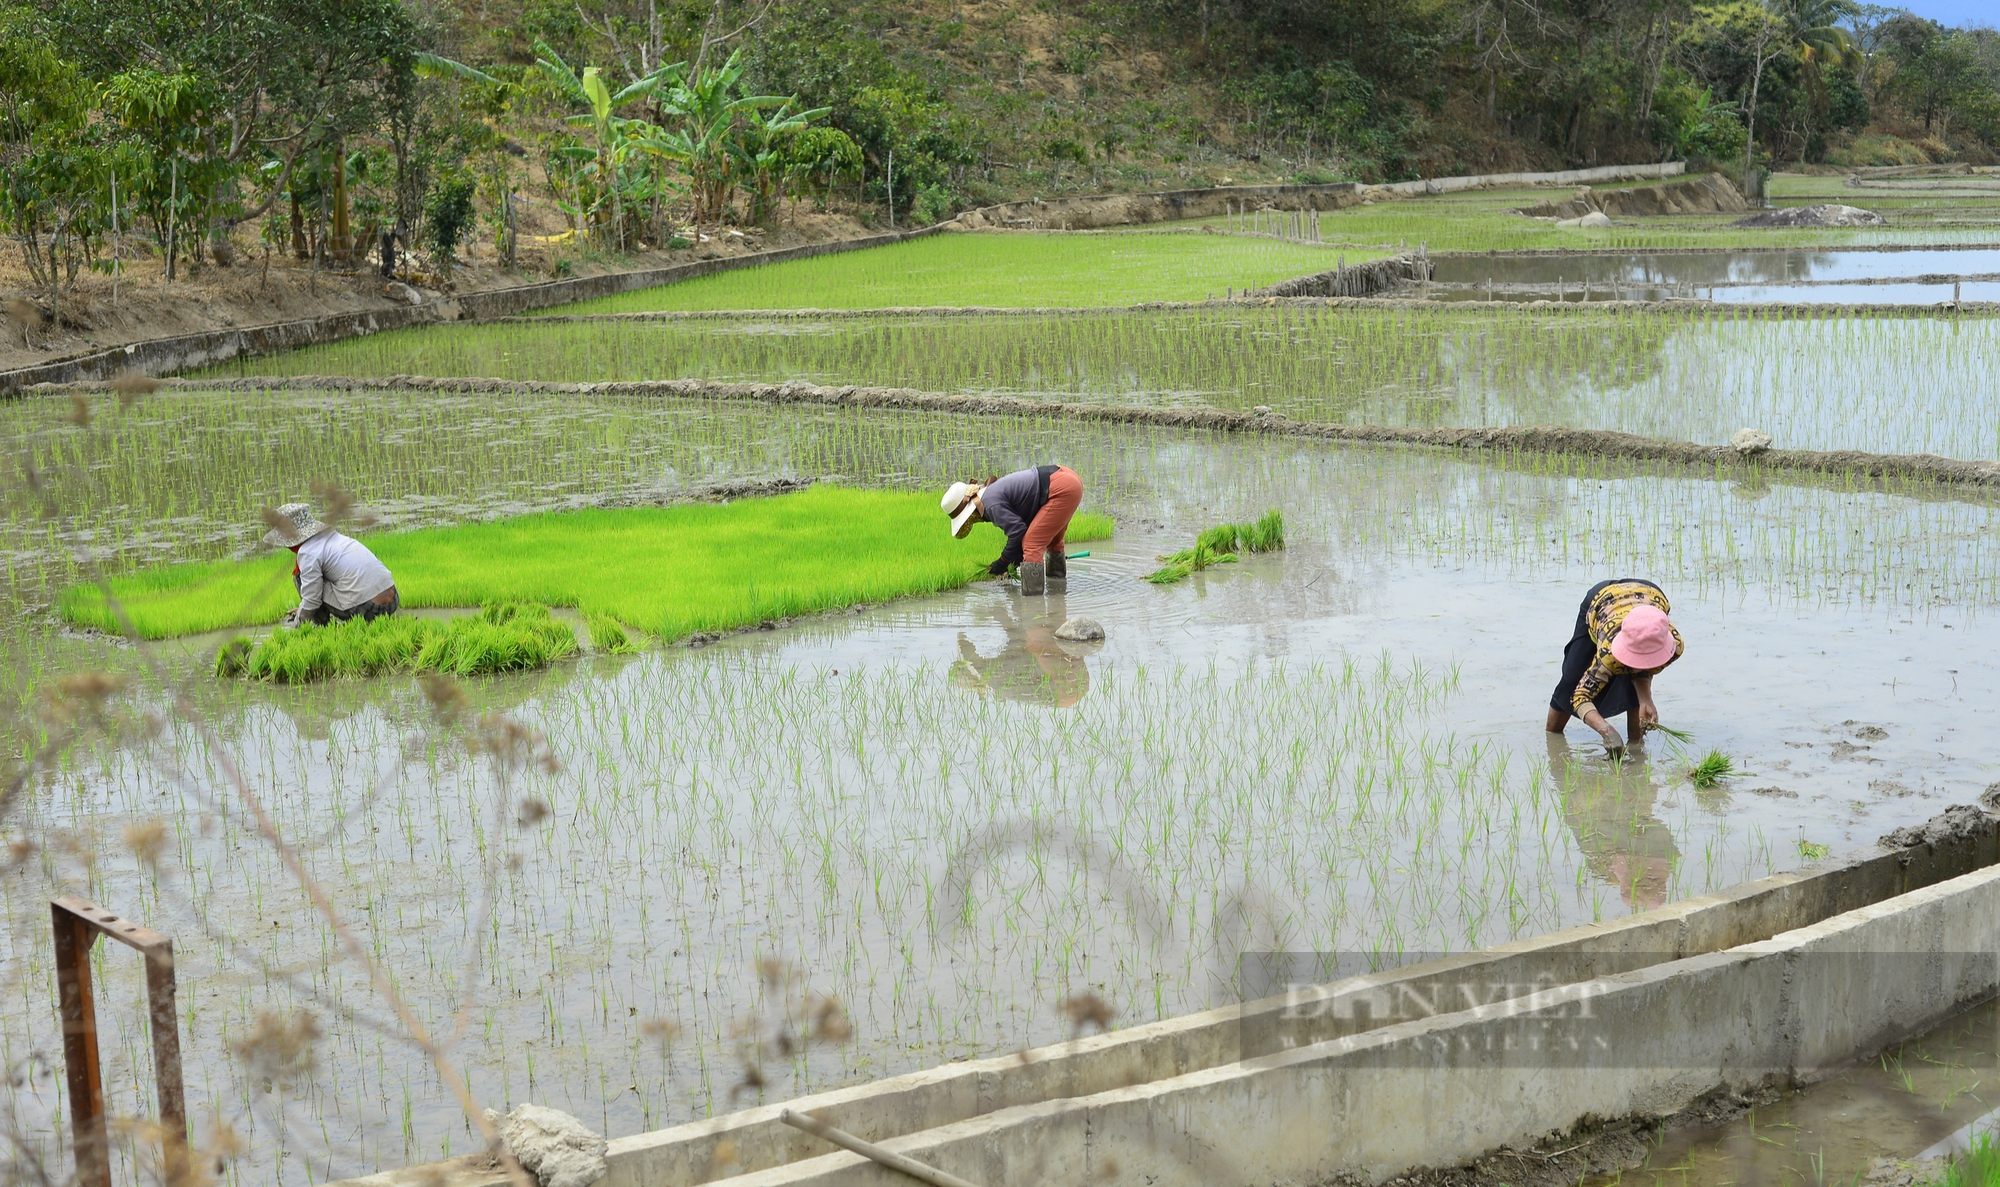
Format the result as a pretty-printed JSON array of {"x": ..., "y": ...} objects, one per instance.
[{"x": 1535, "y": 1061}]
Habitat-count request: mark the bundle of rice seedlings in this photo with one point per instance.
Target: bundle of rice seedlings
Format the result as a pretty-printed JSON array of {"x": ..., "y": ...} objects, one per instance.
[
  {"x": 1712, "y": 769},
  {"x": 1220, "y": 546},
  {"x": 608, "y": 634},
  {"x": 503, "y": 637}
]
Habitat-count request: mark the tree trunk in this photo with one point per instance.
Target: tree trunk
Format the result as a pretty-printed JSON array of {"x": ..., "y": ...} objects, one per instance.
[
  {"x": 343, "y": 238},
  {"x": 298, "y": 230},
  {"x": 1750, "y": 137}
]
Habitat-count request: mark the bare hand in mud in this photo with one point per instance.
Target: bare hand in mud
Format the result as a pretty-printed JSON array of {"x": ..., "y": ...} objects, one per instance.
[{"x": 1614, "y": 746}]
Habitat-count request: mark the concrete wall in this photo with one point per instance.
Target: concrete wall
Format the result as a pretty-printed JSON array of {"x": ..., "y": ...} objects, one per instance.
[
  {"x": 1449, "y": 1088},
  {"x": 754, "y": 1140},
  {"x": 162, "y": 356}
]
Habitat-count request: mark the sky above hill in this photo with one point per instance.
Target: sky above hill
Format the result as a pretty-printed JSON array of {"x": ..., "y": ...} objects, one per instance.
[{"x": 1957, "y": 12}]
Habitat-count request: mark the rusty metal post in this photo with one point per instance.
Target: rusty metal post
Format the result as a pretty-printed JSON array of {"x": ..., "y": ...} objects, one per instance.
[{"x": 77, "y": 923}]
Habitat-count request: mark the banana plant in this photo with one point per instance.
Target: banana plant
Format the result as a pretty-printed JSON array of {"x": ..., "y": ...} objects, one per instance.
[
  {"x": 705, "y": 142},
  {"x": 611, "y": 133},
  {"x": 759, "y": 153}
]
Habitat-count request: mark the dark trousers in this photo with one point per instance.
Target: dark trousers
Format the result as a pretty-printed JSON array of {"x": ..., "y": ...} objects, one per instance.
[
  {"x": 1619, "y": 696},
  {"x": 366, "y": 611}
]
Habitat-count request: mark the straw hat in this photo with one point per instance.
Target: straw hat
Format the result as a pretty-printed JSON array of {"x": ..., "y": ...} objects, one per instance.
[
  {"x": 960, "y": 504},
  {"x": 1645, "y": 640},
  {"x": 292, "y": 525}
]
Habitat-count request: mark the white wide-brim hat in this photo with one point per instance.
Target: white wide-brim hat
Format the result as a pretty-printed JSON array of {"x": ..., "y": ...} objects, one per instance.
[
  {"x": 960, "y": 504},
  {"x": 293, "y": 525}
]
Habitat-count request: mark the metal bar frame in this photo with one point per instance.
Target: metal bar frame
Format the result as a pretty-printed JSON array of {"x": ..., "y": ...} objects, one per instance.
[{"x": 77, "y": 923}]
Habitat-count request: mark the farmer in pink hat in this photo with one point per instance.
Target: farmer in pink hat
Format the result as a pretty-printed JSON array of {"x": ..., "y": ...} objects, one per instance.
[{"x": 1623, "y": 639}]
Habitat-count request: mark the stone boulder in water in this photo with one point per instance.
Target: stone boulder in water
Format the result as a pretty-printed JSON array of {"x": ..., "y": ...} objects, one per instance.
[{"x": 1826, "y": 214}]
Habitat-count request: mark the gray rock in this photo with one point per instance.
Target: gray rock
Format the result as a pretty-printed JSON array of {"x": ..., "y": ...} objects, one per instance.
[
  {"x": 551, "y": 1145},
  {"x": 1750, "y": 442},
  {"x": 1596, "y": 218},
  {"x": 1079, "y": 629}
]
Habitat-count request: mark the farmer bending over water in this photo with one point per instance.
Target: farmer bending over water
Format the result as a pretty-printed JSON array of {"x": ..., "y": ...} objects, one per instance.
[
  {"x": 1033, "y": 507},
  {"x": 1623, "y": 639},
  {"x": 338, "y": 578}
]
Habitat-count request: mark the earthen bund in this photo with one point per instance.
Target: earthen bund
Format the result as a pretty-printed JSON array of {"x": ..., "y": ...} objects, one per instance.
[{"x": 1775, "y": 982}]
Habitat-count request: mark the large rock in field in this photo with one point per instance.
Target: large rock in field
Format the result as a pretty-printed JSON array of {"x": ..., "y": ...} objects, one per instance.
[
  {"x": 1826, "y": 214},
  {"x": 1081, "y": 630},
  {"x": 1750, "y": 442},
  {"x": 551, "y": 1145}
]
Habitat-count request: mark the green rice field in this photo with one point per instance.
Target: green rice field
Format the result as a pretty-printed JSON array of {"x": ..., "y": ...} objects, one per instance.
[
  {"x": 1012, "y": 270},
  {"x": 619, "y": 883},
  {"x": 1901, "y": 383}
]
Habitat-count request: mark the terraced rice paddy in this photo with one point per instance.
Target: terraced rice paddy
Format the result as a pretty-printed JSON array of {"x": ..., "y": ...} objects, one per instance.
[
  {"x": 621, "y": 879},
  {"x": 1901, "y": 383},
  {"x": 1333, "y": 748},
  {"x": 1011, "y": 271},
  {"x": 1927, "y": 211}
]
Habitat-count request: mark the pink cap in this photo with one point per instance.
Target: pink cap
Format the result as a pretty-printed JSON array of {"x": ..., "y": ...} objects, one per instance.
[{"x": 1645, "y": 639}]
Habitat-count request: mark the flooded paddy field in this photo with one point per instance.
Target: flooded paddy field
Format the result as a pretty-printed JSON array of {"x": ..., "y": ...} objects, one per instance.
[
  {"x": 933, "y": 811},
  {"x": 1887, "y": 383},
  {"x": 1897, "y": 276}
]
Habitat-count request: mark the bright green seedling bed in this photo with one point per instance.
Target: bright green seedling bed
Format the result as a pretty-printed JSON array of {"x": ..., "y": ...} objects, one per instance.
[
  {"x": 668, "y": 571},
  {"x": 506, "y": 637}
]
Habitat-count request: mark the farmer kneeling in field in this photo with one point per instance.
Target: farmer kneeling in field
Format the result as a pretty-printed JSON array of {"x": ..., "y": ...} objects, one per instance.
[
  {"x": 338, "y": 578},
  {"x": 1033, "y": 507},
  {"x": 1623, "y": 638}
]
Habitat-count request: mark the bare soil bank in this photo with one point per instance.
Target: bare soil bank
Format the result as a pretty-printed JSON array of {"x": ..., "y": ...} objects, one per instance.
[{"x": 1509, "y": 439}]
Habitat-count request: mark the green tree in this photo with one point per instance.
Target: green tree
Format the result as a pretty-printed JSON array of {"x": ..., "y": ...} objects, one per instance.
[{"x": 55, "y": 175}]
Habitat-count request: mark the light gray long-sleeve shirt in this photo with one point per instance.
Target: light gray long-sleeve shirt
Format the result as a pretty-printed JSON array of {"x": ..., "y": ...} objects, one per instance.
[{"x": 340, "y": 572}]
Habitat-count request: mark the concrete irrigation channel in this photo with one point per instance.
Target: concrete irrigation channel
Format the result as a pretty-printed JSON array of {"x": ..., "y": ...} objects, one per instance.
[{"x": 1518, "y": 1047}]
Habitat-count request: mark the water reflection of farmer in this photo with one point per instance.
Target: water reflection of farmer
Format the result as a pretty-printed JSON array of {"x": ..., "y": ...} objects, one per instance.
[
  {"x": 1033, "y": 666},
  {"x": 1622, "y": 639},
  {"x": 1609, "y": 806}
]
